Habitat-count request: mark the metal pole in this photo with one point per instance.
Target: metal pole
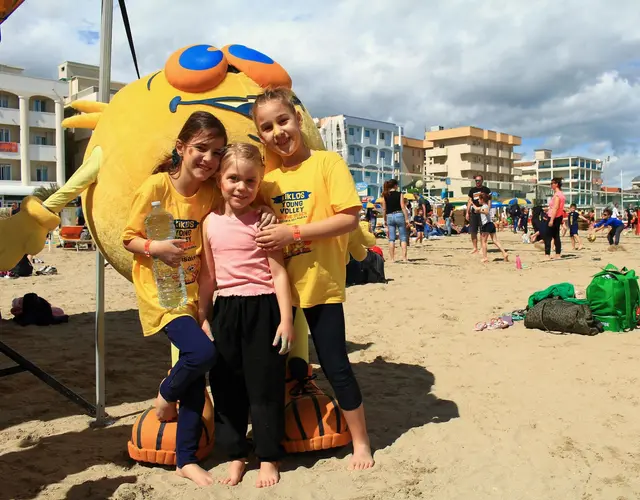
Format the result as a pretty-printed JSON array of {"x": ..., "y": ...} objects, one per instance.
[{"x": 104, "y": 93}]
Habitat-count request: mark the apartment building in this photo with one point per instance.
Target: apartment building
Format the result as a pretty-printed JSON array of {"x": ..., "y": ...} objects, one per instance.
[
  {"x": 454, "y": 156},
  {"x": 32, "y": 146},
  {"x": 582, "y": 176},
  {"x": 366, "y": 145},
  {"x": 413, "y": 154}
]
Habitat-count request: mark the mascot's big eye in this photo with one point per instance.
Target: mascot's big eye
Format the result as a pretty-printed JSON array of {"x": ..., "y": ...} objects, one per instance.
[
  {"x": 196, "y": 69},
  {"x": 260, "y": 68}
]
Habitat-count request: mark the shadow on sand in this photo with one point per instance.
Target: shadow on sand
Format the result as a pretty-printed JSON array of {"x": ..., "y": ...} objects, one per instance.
[{"x": 67, "y": 352}]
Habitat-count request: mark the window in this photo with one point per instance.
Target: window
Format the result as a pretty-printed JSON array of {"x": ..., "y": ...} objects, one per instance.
[
  {"x": 383, "y": 155},
  {"x": 5, "y": 135},
  {"x": 41, "y": 140},
  {"x": 5, "y": 172},
  {"x": 367, "y": 154},
  {"x": 351, "y": 131},
  {"x": 351, "y": 150},
  {"x": 382, "y": 136},
  {"x": 39, "y": 105},
  {"x": 4, "y": 101},
  {"x": 367, "y": 133},
  {"x": 42, "y": 173}
]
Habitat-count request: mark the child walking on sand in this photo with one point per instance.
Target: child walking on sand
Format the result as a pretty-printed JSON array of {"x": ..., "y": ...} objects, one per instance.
[
  {"x": 314, "y": 196},
  {"x": 252, "y": 320},
  {"x": 180, "y": 184},
  {"x": 488, "y": 229},
  {"x": 573, "y": 218}
]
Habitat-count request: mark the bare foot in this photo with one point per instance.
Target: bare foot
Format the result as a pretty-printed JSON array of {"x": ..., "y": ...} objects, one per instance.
[
  {"x": 268, "y": 475},
  {"x": 362, "y": 458},
  {"x": 235, "y": 473},
  {"x": 475, "y": 250},
  {"x": 506, "y": 257},
  {"x": 485, "y": 261},
  {"x": 165, "y": 411},
  {"x": 196, "y": 473}
]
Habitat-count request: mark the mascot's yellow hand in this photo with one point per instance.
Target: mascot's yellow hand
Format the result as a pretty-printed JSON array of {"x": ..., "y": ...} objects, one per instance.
[{"x": 25, "y": 232}]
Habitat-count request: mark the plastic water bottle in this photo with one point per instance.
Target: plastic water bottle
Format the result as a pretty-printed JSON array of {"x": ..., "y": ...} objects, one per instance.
[
  {"x": 518, "y": 262},
  {"x": 172, "y": 291}
]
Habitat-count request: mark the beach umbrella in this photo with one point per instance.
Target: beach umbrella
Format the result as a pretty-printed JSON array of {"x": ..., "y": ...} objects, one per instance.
[
  {"x": 519, "y": 201},
  {"x": 497, "y": 204},
  {"x": 7, "y": 7},
  {"x": 379, "y": 200},
  {"x": 368, "y": 204},
  {"x": 409, "y": 196}
]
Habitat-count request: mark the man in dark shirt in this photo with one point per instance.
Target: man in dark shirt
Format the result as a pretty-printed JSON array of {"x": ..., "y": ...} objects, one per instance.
[
  {"x": 447, "y": 212},
  {"x": 472, "y": 216}
]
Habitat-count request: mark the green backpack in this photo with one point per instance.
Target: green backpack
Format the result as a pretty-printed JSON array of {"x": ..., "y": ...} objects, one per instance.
[{"x": 614, "y": 298}]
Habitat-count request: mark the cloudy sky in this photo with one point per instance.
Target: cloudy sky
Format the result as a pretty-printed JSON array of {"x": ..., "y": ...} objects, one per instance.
[{"x": 563, "y": 74}]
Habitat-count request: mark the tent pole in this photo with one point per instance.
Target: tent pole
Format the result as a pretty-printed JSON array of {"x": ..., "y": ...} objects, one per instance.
[{"x": 104, "y": 94}]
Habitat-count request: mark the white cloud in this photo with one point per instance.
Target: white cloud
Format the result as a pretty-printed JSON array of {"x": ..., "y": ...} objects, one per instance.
[{"x": 567, "y": 73}]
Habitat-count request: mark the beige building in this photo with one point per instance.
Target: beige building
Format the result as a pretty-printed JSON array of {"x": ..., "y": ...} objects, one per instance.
[
  {"x": 458, "y": 154},
  {"x": 413, "y": 159}
]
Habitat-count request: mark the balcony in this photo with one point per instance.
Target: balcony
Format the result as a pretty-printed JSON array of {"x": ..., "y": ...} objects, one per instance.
[
  {"x": 470, "y": 168},
  {"x": 9, "y": 151},
  {"x": 9, "y": 116},
  {"x": 42, "y": 153},
  {"x": 504, "y": 170},
  {"x": 436, "y": 169},
  {"x": 491, "y": 152},
  {"x": 436, "y": 152},
  {"x": 516, "y": 156},
  {"x": 492, "y": 169},
  {"x": 469, "y": 149},
  {"x": 42, "y": 120}
]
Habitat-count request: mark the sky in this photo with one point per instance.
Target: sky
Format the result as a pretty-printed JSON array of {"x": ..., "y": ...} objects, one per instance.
[{"x": 563, "y": 75}]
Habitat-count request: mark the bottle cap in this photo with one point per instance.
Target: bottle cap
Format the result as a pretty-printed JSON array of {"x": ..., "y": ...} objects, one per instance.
[{"x": 155, "y": 203}]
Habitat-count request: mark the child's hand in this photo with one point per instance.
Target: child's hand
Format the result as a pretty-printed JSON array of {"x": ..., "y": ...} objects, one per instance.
[
  {"x": 285, "y": 334},
  {"x": 275, "y": 237},
  {"x": 267, "y": 217},
  {"x": 206, "y": 328},
  {"x": 168, "y": 251}
]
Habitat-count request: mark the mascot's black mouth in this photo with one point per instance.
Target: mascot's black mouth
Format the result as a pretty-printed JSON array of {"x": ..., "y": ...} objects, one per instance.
[{"x": 243, "y": 106}]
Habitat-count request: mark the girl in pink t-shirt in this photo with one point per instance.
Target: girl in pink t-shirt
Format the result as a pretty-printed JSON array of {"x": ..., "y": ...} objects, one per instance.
[{"x": 252, "y": 324}]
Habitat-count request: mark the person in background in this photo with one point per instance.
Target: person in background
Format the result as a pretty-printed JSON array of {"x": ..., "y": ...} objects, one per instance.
[
  {"x": 372, "y": 218},
  {"x": 418, "y": 221},
  {"x": 396, "y": 218},
  {"x": 524, "y": 220},
  {"x": 554, "y": 216},
  {"x": 409, "y": 210},
  {"x": 472, "y": 216},
  {"x": 447, "y": 214},
  {"x": 14, "y": 208},
  {"x": 573, "y": 218},
  {"x": 615, "y": 212},
  {"x": 616, "y": 225},
  {"x": 515, "y": 213},
  {"x": 79, "y": 214}
]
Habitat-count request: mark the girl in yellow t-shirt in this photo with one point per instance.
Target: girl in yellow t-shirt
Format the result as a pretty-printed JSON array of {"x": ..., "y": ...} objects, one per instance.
[
  {"x": 180, "y": 184},
  {"x": 314, "y": 196}
]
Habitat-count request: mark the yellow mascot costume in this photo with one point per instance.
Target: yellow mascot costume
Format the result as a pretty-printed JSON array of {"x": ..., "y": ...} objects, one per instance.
[{"x": 130, "y": 134}]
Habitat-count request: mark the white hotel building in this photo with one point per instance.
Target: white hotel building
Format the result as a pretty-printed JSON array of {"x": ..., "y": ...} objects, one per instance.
[
  {"x": 31, "y": 136},
  {"x": 366, "y": 145}
]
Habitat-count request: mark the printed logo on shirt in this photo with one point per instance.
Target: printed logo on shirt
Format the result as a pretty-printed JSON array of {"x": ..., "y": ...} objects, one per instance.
[
  {"x": 296, "y": 248},
  {"x": 292, "y": 205},
  {"x": 190, "y": 263}
]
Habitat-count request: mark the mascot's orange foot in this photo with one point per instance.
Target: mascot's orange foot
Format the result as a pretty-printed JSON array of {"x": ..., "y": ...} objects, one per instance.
[
  {"x": 313, "y": 419},
  {"x": 154, "y": 442}
]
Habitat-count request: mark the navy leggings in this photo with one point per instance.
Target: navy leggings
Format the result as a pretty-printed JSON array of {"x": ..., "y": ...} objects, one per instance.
[
  {"x": 326, "y": 323},
  {"x": 186, "y": 383}
]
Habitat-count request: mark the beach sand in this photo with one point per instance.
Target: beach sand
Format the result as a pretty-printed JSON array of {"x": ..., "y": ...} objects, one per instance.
[{"x": 453, "y": 413}]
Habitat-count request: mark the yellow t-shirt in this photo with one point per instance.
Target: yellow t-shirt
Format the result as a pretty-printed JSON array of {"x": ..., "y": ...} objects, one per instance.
[
  {"x": 188, "y": 213},
  {"x": 315, "y": 190}
]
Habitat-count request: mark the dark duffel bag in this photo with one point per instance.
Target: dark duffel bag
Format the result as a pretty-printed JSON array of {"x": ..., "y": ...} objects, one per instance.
[{"x": 557, "y": 315}]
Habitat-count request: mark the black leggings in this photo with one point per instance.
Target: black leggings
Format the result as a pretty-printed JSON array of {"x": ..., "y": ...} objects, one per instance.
[
  {"x": 614, "y": 235},
  {"x": 326, "y": 323},
  {"x": 552, "y": 233}
]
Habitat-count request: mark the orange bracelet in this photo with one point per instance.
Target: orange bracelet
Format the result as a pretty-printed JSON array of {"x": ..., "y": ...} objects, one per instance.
[{"x": 147, "y": 247}]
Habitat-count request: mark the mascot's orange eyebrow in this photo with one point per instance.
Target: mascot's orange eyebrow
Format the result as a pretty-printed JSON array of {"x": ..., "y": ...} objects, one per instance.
[{"x": 151, "y": 79}]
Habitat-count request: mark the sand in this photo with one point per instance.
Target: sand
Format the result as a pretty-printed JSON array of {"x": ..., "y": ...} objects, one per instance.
[{"x": 453, "y": 413}]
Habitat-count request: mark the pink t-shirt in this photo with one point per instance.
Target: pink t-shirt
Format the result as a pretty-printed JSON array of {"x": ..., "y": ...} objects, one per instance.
[
  {"x": 560, "y": 197},
  {"x": 242, "y": 269}
]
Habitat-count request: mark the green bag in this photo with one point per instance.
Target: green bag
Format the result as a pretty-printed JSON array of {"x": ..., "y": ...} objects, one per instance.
[{"x": 614, "y": 297}]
